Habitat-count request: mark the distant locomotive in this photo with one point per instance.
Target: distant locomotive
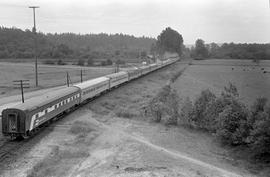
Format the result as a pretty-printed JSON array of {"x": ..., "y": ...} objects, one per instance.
[{"x": 24, "y": 119}]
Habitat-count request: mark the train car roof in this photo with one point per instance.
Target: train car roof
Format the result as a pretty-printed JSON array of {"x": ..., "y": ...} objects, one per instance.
[
  {"x": 117, "y": 74},
  {"x": 144, "y": 67},
  {"x": 153, "y": 64},
  {"x": 91, "y": 82},
  {"x": 39, "y": 101},
  {"x": 133, "y": 70}
]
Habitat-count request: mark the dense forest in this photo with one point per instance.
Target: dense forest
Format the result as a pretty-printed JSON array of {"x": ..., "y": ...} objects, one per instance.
[
  {"x": 230, "y": 51},
  {"x": 16, "y": 43}
]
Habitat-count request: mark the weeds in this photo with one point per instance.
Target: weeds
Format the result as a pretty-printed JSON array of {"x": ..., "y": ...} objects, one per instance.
[
  {"x": 81, "y": 128},
  {"x": 125, "y": 113}
]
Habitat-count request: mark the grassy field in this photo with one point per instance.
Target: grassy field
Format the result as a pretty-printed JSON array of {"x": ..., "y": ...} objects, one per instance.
[
  {"x": 251, "y": 80},
  {"x": 49, "y": 75}
]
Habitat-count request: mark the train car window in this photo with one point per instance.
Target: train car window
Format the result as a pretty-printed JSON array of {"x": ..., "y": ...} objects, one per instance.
[
  {"x": 36, "y": 115},
  {"x": 55, "y": 106},
  {"x": 46, "y": 111}
]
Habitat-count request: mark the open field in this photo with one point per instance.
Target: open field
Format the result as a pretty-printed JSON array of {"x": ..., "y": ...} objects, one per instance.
[
  {"x": 49, "y": 75},
  {"x": 250, "y": 79}
]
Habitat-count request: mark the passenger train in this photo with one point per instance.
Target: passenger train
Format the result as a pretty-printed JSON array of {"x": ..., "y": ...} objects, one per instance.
[{"x": 26, "y": 118}]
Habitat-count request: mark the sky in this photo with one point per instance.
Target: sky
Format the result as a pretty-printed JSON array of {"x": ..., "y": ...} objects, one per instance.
[{"x": 239, "y": 21}]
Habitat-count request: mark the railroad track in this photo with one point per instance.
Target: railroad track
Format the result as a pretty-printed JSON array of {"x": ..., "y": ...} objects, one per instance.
[{"x": 9, "y": 148}]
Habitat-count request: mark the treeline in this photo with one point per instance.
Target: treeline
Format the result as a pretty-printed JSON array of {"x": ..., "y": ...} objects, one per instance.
[
  {"x": 230, "y": 51},
  {"x": 16, "y": 43}
]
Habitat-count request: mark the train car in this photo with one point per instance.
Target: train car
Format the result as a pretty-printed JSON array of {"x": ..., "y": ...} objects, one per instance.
[
  {"x": 145, "y": 69},
  {"x": 117, "y": 78},
  {"x": 93, "y": 87},
  {"x": 133, "y": 74},
  {"x": 24, "y": 118},
  {"x": 153, "y": 67}
]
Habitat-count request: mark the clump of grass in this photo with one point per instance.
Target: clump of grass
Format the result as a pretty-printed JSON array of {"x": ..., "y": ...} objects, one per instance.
[
  {"x": 125, "y": 113},
  {"x": 108, "y": 105},
  {"x": 81, "y": 128}
]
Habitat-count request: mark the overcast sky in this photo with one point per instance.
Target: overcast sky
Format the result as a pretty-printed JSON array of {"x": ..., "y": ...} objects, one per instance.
[{"x": 212, "y": 20}]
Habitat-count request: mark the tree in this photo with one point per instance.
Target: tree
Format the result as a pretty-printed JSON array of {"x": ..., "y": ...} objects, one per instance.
[
  {"x": 90, "y": 61},
  {"x": 200, "y": 49},
  {"x": 109, "y": 62},
  {"x": 143, "y": 54},
  {"x": 81, "y": 62},
  {"x": 170, "y": 40}
]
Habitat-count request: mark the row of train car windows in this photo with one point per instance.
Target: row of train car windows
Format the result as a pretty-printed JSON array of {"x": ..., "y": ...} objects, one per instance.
[
  {"x": 57, "y": 105},
  {"x": 134, "y": 73},
  {"x": 95, "y": 88},
  {"x": 118, "y": 79}
]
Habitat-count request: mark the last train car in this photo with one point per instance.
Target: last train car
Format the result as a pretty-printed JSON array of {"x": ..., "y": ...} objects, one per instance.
[{"x": 24, "y": 118}]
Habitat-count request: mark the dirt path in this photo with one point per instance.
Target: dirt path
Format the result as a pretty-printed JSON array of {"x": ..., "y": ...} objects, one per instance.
[{"x": 172, "y": 153}]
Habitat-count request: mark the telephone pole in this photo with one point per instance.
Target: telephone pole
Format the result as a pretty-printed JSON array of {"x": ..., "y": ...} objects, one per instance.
[{"x": 35, "y": 36}]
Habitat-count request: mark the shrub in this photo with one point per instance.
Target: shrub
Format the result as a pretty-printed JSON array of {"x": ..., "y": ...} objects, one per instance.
[
  {"x": 199, "y": 109},
  {"x": 230, "y": 91},
  {"x": 165, "y": 105},
  {"x": 125, "y": 113},
  {"x": 90, "y": 62},
  {"x": 259, "y": 124},
  {"x": 80, "y": 128},
  {"x": 232, "y": 124},
  {"x": 109, "y": 62},
  {"x": 49, "y": 62},
  {"x": 80, "y": 62},
  {"x": 103, "y": 63},
  {"x": 60, "y": 62},
  {"x": 172, "y": 105},
  {"x": 186, "y": 113}
]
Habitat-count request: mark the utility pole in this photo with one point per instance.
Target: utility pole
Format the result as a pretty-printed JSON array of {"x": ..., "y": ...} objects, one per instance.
[
  {"x": 67, "y": 79},
  {"x": 22, "y": 84},
  {"x": 35, "y": 36}
]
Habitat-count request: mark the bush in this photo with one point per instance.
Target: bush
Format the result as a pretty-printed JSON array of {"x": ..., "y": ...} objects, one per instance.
[
  {"x": 232, "y": 124},
  {"x": 125, "y": 113},
  {"x": 259, "y": 122},
  {"x": 199, "y": 116},
  {"x": 165, "y": 105},
  {"x": 81, "y": 128},
  {"x": 103, "y": 63},
  {"x": 90, "y": 62},
  {"x": 186, "y": 113},
  {"x": 60, "y": 62},
  {"x": 109, "y": 62},
  {"x": 49, "y": 62},
  {"x": 80, "y": 62},
  {"x": 230, "y": 91}
]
